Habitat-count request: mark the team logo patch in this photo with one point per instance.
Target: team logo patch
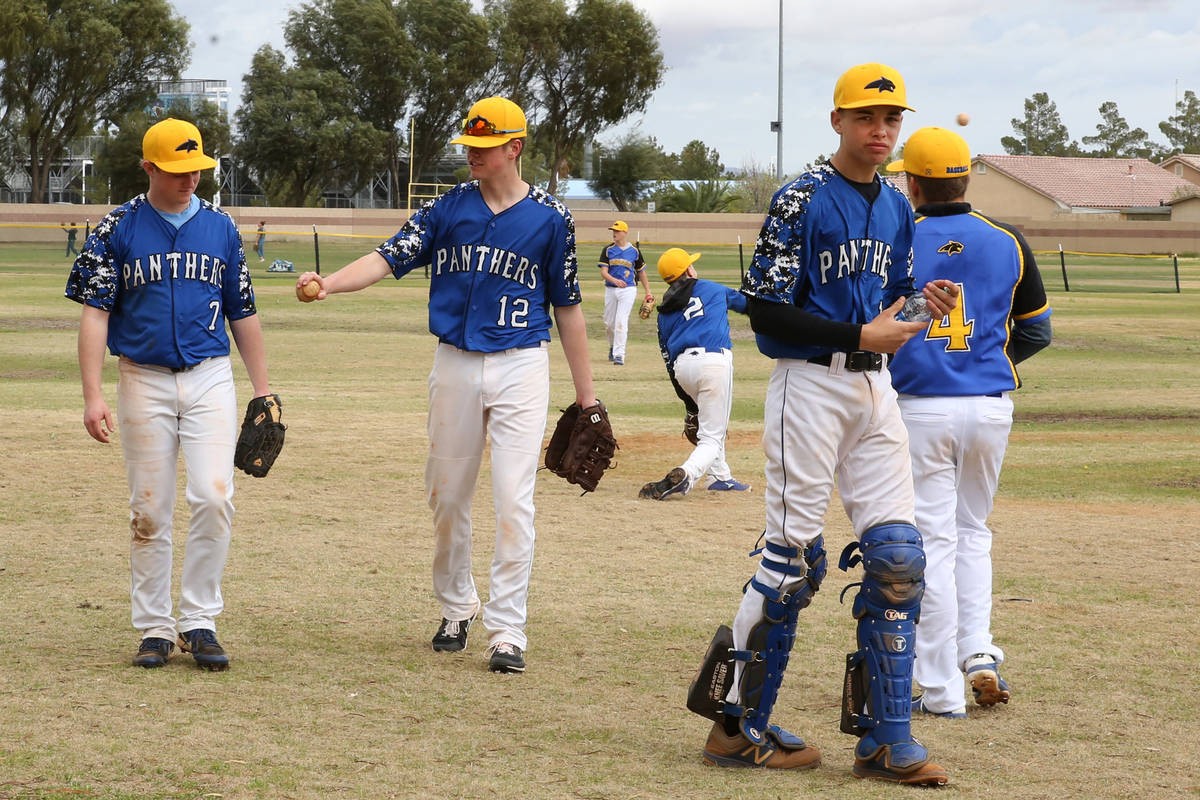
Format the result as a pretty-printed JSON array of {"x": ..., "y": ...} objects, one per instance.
[
  {"x": 883, "y": 85},
  {"x": 188, "y": 146},
  {"x": 951, "y": 247}
]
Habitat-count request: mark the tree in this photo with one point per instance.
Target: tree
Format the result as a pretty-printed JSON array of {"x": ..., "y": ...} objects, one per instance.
[
  {"x": 698, "y": 197},
  {"x": 699, "y": 162},
  {"x": 1183, "y": 129},
  {"x": 757, "y": 184},
  {"x": 69, "y": 65},
  {"x": 580, "y": 69},
  {"x": 628, "y": 170},
  {"x": 1114, "y": 139},
  {"x": 364, "y": 42},
  {"x": 300, "y": 133},
  {"x": 1041, "y": 133},
  {"x": 119, "y": 174}
]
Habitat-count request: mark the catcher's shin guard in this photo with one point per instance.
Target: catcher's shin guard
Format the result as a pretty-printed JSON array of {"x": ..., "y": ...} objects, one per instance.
[
  {"x": 876, "y": 703},
  {"x": 768, "y": 645}
]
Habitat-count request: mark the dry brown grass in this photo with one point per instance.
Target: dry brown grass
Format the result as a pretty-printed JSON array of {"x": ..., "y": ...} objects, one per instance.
[{"x": 334, "y": 691}]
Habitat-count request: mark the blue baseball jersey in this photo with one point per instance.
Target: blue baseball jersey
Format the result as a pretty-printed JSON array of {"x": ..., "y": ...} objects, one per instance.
[
  {"x": 695, "y": 313},
  {"x": 623, "y": 263},
  {"x": 168, "y": 291},
  {"x": 493, "y": 277},
  {"x": 827, "y": 250},
  {"x": 966, "y": 352}
]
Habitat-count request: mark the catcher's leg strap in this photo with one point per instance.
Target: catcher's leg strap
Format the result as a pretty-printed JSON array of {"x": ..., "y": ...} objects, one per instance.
[
  {"x": 770, "y": 640},
  {"x": 876, "y": 694}
]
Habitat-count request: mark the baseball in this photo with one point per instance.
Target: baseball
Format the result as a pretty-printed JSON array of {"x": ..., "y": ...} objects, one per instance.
[
  {"x": 963, "y": 118},
  {"x": 311, "y": 289}
]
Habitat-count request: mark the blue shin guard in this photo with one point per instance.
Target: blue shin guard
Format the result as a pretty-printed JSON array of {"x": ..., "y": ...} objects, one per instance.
[
  {"x": 876, "y": 697},
  {"x": 770, "y": 641}
]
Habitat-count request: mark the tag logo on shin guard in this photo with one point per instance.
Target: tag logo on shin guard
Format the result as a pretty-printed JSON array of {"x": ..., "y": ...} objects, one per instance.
[
  {"x": 717, "y": 687},
  {"x": 892, "y": 615},
  {"x": 897, "y": 644}
]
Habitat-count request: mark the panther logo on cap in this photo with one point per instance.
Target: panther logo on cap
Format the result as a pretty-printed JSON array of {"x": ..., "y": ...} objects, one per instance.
[
  {"x": 883, "y": 85},
  {"x": 188, "y": 146},
  {"x": 951, "y": 247}
]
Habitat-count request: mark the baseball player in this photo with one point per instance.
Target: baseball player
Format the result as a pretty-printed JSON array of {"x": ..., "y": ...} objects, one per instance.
[
  {"x": 501, "y": 255},
  {"x": 158, "y": 279},
  {"x": 830, "y": 272},
  {"x": 693, "y": 335},
  {"x": 954, "y": 382},
  {"x": 622, "y": 266}
]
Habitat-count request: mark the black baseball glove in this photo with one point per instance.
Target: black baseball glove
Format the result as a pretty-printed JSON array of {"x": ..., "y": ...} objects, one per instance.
[
  {"x": 582, "y": 446},
  {"x": 261, "y": 438}
]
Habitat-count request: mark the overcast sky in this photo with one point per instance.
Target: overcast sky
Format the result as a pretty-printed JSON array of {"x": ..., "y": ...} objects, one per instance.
[{"x": 977, "y": 56}]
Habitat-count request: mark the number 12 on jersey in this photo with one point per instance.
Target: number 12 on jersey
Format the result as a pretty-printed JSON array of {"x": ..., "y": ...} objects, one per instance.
[{"x": 516, "y": 316}]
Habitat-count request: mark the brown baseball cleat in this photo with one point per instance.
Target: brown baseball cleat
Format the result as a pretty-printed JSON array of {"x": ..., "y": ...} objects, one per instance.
[
  {"x": 723, "y": 750},
  {"x": 924, "y": 774}
]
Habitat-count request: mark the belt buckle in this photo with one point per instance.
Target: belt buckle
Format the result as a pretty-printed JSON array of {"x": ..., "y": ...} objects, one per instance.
[{"x": 864, "y": 361}]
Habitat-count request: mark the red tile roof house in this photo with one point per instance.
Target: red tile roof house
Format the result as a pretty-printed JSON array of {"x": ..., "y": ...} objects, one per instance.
[{"x": 1039, "y": 186}]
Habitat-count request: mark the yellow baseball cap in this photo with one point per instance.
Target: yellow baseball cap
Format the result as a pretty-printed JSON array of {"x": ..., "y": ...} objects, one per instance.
[
  {"x": 934, "y": 153},
  {"x": 175, "y": 145},
  {"x": 491, "y": 122},
  {"x": 870, "y": 85},
  {"x": 674, "y": 263},
  {"x": 619, "y": 225}
]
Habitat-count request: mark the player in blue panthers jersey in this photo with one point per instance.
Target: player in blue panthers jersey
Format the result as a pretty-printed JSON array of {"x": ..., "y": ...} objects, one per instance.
[
  {"x": 501, "y": 258},
  {"x": 954, "y": 383},
  {"x": 159, "y": 278},
  {"x": 693, "y": 336},
  {"x": 830, "y": 272},
  {"x": 622, "y": 267}
]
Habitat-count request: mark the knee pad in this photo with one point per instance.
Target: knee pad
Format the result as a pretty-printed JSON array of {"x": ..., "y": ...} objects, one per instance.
[
  {"x": 878, "y": 685},
  {"x": 770, "y": 640}
]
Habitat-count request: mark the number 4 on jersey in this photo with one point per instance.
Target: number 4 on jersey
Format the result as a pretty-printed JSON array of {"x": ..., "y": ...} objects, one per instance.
[{"x": 955, "y": 328}]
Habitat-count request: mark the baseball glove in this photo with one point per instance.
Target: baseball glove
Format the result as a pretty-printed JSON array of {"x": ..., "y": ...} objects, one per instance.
[
  {"x": 647, "y": 307},
  {"x": 582, "y": 446},
  {"x": 261, "y": 438},
  {"x": 691, "y": 427}
]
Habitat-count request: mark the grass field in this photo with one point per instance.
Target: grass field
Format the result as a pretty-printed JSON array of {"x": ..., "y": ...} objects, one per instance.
[{"x": 335, "y": 692}]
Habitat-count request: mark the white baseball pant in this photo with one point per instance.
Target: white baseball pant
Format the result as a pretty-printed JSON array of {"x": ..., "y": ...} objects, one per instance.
[
  {"x": 957, "y": 446},
  {"x": 823, "y": 424},
  {"x": 708, "y": 377},
  {"x": 618, "y": 303},
  {"x": 475, "y": 398},
  {"x": 159, "y": 413}
]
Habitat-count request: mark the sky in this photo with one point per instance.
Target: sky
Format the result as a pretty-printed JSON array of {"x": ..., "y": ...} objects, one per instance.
[{"x": 722, "y": 79}]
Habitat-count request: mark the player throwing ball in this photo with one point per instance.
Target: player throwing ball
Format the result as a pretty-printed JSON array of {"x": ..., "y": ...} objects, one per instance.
[
  {"x": 954, "y": 382},
  {"x": 693, "y": 335},
  {"x": 158, "y": 279},
  {"x": 501, "y": 255},
  {"x": 622, "y": 266},
  {"x": 830, "y": 271}
]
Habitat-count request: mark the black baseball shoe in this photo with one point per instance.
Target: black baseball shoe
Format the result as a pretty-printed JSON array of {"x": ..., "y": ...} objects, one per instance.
[
  {"x": 451, "y": 636},
  {"x": 506, "y": 658},
  {"x": 202, "y": 644},
  {"x": 153, "y": 652},
  {"x": 676, "y": 482}
]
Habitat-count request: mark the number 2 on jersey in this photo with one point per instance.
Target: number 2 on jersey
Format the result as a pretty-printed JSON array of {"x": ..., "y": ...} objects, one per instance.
[{"x": 955, "y": 328}]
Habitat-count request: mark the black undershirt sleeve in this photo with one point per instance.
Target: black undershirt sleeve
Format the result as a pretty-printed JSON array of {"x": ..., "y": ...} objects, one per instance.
[{"x": 790, "y": 324}]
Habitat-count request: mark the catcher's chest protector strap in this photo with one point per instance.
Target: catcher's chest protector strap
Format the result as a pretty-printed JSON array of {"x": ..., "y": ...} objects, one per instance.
[
  {"x": 770, "y": 641},
  {"x": 876, "y": 694}
]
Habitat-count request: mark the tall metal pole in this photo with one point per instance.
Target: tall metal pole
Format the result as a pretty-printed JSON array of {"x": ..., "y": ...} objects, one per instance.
[{"x": 779, "y": 112}]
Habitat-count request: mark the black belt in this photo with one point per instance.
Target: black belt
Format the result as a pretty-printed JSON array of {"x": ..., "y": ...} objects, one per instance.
[
  {"x": 857, "y": 361},
  {"x": 698, "y": 350}
]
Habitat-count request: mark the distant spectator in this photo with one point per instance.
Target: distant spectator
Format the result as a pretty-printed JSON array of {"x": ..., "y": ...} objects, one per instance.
[
  {"x": 72, "y": 232},
  {"x": 261, "y": 240}
]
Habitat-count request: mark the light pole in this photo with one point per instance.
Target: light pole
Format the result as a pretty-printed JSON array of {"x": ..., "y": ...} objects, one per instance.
[{"x": 777, "y": 125}]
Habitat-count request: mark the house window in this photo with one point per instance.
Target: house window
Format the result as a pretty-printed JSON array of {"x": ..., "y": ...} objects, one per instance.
[
  {"x": 981, "y": 168},
  {"x": 1179, "y": 170}
]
